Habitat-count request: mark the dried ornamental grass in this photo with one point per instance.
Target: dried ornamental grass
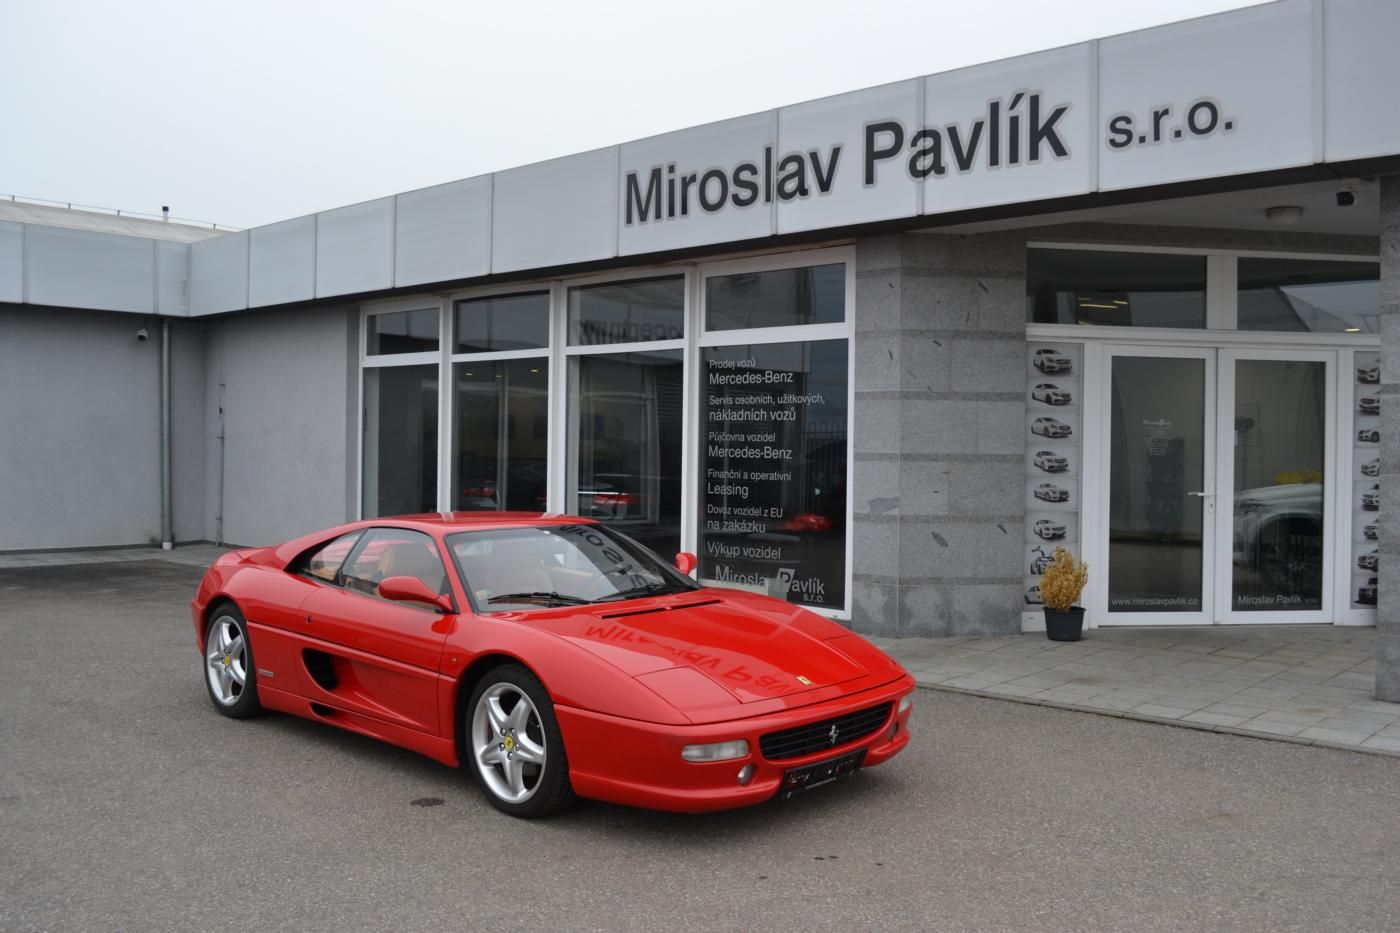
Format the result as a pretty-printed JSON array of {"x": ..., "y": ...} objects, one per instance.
[{"x": 1063, "y": 581}]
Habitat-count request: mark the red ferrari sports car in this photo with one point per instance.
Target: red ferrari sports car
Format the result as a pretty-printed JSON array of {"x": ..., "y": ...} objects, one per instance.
[{"x": 553, "y": 655}]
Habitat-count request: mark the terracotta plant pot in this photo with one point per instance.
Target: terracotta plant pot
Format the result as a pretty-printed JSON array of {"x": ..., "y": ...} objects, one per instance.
[{"x": 1066, "y": 625}]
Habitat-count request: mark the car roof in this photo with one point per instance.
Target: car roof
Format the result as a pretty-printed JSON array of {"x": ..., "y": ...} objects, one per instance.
[{"x": 430, "y": 523}]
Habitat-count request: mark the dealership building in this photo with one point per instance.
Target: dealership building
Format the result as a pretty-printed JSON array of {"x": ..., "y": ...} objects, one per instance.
[{"x": 877, "y": 354}]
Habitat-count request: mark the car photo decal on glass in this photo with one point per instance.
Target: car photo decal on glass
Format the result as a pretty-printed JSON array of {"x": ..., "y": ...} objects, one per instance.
[
  {"x": 1368, "y": 436},
  {"x": 1033, "y": 596},
  {"x": 1049, "y": 492},
  {"x": 1369, "y": 561},
  {"x": 1040, "y": 560},
  {"x": 1051, "y": 394},
  {"x": 1051, "y": 427},
  {"x": 1049, "y": 360},
  {"x": 1368, "y": 375},
  {"x": 1371, "y": 499},
  {"x": 1371, "y": 467},
  {"x": 1369, "y": 404},
  {"x": 1371, "y": 531},
  {"x": 1049, "y": 529},
  {"x": 1050, "y": 462},
  {"x": 1366, "y": 593}
]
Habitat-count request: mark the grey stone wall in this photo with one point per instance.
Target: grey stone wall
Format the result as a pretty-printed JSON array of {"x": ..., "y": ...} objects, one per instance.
[
  {"x": 1388, "y": 612},
  {"x": 939, "y": 426}
]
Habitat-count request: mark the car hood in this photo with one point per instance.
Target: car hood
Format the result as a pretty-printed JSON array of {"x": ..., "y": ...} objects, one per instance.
[{"x": 714, "y": 653}]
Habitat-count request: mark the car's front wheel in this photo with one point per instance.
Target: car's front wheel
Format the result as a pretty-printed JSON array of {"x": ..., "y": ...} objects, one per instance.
[
  {"x": 513, "y": 745},
  {"x": 228, "y": 664}
]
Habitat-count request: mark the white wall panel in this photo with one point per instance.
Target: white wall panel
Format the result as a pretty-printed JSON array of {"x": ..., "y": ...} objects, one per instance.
[
  {"x": 11, "y": 261},
  {"x": 355, "y": 248},
  {"x": 1361, "y": 78},
  {"x": 819, "y": 125},
  {"x": 1255, "y": 64},
  {"x": 563, "y": 210},
  {"x": 690, "y": 216},
  {"x": 443, "y": 233},
  {"x": 1042, "y": 102},
  {"x": 172, "y": 277},
  {"x": 82, "y": 269},
  {"x": 282, "y": 262},
  {"x": 219, "y": 274}
]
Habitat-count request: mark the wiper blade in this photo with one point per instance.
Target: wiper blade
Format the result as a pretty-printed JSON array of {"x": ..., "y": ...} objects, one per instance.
[
  {"x": 538, "y": 595},
  {"x": 646, "y": 589}
]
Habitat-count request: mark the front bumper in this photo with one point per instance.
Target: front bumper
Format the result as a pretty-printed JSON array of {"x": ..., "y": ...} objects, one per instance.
[{"x": 639, "y": 764}]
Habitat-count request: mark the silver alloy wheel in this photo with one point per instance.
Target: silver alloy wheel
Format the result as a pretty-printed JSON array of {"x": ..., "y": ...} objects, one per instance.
[
  {"x": 227, "y": 660},
  {"x": 508, "y": 742}
]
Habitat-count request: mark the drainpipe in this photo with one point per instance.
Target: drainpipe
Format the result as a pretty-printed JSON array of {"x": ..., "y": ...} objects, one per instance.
[{"x": 167, "y": 536}]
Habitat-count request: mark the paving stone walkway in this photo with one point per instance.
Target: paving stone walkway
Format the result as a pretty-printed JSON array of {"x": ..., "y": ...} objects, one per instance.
[{"x": 1309, "y": 684}]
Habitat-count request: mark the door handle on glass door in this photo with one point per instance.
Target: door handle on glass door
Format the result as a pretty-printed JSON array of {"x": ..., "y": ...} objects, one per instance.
[{"x": 1201, "y": 494}]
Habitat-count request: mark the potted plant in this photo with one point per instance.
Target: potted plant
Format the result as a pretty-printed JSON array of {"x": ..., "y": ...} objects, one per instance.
[{"x": 1060, "y": 586}]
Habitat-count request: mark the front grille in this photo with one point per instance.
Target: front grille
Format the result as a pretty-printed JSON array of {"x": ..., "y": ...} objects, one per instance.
[{"x": 816, "y": 736}]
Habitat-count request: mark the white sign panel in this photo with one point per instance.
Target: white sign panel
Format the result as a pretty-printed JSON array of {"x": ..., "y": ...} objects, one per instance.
[
  {"x": 1362, "y": 75},
  {"x": 838, "y": 132},
  {"x": 1220, "y": 95},
  {"x": 1015, "y": 130},
  {"x": 711, "y": 184},
  {"x": 555, "y": 212}
]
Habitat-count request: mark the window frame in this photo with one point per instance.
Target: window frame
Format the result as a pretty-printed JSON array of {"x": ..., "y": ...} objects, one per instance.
[
  {"x": 1222, "y": 300},
  {"x": 559, "y": 355},
  {"x": 791, "y": 333}
]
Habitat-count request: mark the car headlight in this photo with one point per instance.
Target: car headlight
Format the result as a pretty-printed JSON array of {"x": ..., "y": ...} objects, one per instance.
[
  {"x": 717, "y": 751},
  {"x": 906, "y": 703}
]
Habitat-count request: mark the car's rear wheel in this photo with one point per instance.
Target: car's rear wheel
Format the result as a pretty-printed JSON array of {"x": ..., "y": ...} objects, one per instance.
[
  {"x": 513, "y": 745},
  {"x": 228, "y": 664}
]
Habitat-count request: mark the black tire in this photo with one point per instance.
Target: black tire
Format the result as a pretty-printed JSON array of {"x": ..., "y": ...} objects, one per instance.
[
  {"x": 551, "y": 790},
  {"x": 241, "y": 702}
]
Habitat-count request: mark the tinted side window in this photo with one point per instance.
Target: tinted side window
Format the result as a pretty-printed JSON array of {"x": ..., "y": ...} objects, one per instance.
[
  {"x": 394, "y": 552},
  {"x": 324, "y": 562}
]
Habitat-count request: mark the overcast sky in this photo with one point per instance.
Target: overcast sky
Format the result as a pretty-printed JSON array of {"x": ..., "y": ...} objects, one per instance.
[{"x": 252, "y": 111}]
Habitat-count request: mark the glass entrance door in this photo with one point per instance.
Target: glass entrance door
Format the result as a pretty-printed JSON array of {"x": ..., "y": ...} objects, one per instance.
[
  {"x": 1217, "y": 504},
  {"x": 1272, "y": 432},
  {"x": 1160, "y": 511}
]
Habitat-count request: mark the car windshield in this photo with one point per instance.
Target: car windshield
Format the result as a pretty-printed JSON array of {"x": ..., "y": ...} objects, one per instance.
[{"x": 509, "y": 569}]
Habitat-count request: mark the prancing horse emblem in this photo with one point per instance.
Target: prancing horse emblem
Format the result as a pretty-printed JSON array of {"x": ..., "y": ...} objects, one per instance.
[{"x": 833, "y": 734}]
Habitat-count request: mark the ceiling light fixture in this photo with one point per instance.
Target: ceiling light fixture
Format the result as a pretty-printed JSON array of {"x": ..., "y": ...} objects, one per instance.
[{"x": 1284, "y": 214}]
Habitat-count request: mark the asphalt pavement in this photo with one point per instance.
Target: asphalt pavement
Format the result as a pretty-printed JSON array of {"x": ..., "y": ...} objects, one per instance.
[{"x": 127, "y": 803}]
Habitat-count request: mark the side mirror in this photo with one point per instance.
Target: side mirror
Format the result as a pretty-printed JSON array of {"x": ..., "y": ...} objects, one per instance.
[
  {"x": 686, "y": 562},
  {"x": 412, "y": 590}
]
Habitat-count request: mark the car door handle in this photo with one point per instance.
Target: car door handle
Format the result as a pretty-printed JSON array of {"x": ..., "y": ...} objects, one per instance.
[{"x": 308, "y": 620}]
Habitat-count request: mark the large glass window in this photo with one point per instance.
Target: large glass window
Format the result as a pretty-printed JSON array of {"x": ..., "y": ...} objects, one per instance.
[
  {"x": 501, "y": 453},
  {"x": 633, "y": 311},
  {"x": 402, "y": 332},
  {"x": 776, "y": 298},
  {"x": 502, "y": 322},
  {"x": 773, "y": 494},
  {"x": 400, "y": 451},
  {"x": 1071, "y": 286},
  {"x": 762, "y": 368},
  {"x": 1322, "y": 296},
  {"x": 628, "y": 450}
]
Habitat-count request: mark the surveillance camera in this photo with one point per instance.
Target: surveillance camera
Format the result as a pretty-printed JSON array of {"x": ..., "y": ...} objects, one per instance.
[
  {"x": 143, "y": 334},
  {"x": 1346, "y": 197}
]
